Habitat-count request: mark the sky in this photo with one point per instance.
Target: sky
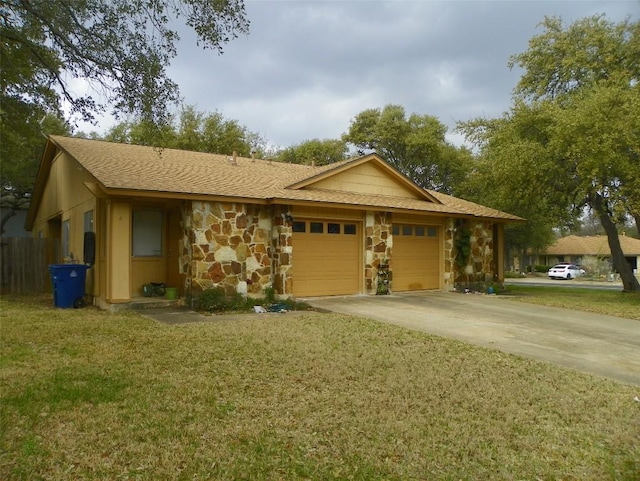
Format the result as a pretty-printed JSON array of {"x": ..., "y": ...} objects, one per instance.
[{"x": 307, "y": 68}]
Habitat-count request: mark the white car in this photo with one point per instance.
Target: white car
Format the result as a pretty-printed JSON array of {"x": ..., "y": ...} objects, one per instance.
[{"x": 565, "y": 271}]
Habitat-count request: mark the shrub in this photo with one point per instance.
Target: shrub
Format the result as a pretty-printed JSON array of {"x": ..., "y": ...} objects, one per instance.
[
  {"x": 211, "y": 299},
  {"x": 217, "y": 300}
]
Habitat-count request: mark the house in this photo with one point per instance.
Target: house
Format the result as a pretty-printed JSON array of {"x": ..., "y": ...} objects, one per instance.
[
  {"x": 14, "y": 227},
  {"x": 194, "y": 221},
  {"x": 590, "y": 249}
]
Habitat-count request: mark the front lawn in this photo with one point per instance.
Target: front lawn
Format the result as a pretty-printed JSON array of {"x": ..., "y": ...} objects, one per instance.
[
  {"x": 88, "y": 395},
  {"x": 600, "y": 301}
]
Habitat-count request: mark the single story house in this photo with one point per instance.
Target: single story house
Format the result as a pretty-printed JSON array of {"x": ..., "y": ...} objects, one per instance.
[
  {"x": 194, "y": 221},
  {"x": 14, "y": 227},
  {"x": 588, "y": 249}
]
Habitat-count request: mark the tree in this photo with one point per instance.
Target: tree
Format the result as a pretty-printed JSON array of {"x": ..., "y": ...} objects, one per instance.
[
  {"x": 578, "y": 105},
  {"x": 121, "y": 47},
  {"x": 320, "y": 152},
  {"x": 20, "y": 151},
  {"x": 416, "y": 146},
  {"x": 193, "y": 130}
]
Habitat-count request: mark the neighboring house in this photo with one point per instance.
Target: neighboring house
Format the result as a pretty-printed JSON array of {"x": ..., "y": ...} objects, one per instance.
[
  {"x": 15, "y": 224},
  {"x": 194, "y": 221},
  {"x": 585, "y": 249}
]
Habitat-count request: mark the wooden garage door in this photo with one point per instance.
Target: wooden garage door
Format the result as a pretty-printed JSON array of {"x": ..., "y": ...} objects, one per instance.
[
  {"x": 416, "y": 257},
  {"x": 326, "y": 258}
]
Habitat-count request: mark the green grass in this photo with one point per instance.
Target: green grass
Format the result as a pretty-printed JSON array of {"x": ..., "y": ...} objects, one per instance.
[
  {"x": 87, "y": 395},
  {"x": 599, "y": 301}
]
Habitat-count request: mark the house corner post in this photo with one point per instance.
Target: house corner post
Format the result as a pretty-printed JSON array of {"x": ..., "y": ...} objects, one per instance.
[
  {"x": 282, "y": 245},
  {"x": 378, "y": 251}
]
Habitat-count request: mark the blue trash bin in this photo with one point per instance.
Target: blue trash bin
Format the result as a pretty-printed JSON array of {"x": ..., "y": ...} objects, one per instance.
[{"x": 67, "y": 281}]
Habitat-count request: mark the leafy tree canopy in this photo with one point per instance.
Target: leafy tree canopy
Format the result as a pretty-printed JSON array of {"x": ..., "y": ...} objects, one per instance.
[
  {"x": 20, "y": 151},
  {"x": 193, "y": 130},
  {"x": 121, "y": 47},
  {"x": 320, "y": 152},
  {"x": 571, "y": 139},
  {"x": 415, "y": 145}
]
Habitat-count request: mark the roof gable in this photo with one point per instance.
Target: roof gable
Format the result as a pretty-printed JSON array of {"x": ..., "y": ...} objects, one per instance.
[{"x": 368, "y": 174}]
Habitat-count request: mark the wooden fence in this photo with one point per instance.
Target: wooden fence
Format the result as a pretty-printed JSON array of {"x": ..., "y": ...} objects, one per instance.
[{"x": 24, "y": 264}]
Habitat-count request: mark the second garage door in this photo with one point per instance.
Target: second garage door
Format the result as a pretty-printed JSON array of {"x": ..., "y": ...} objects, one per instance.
[
  {"x": 326, "y": 258},
  {"x": 416, "y": 257}
]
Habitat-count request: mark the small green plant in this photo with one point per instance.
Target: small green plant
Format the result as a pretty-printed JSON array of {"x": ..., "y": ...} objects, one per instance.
[{"x": 269, "y": 294}]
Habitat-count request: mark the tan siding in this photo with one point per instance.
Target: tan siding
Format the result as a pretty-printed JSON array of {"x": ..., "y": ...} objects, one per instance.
[
  {"x": 64, "y": 190},
  {"x": 66, "y": 198},
  {"x": 326, "y": 213},
  {"x": 145, "y": 270},
  {"x": 399, "y": 218},
  {"x": 119, "y": 251},
  {"x": 366, "y": 179}
]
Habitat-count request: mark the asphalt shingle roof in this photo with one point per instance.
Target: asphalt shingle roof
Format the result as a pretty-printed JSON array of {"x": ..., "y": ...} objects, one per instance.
[
  {"x": 142, "y": 168},
  {"x": 592, "y": 246}
]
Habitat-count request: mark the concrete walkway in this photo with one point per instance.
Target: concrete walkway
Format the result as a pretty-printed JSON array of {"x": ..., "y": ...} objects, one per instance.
[{"x": 601, "y": 345}]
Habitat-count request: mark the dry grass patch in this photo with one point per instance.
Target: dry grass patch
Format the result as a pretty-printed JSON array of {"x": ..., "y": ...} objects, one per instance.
[
  {"x": 599, "y": 301},
  {"x": 88, "y": 395}
]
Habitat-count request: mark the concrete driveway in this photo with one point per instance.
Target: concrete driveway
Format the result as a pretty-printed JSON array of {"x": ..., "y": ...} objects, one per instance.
[{"x": 601, "y": 345}]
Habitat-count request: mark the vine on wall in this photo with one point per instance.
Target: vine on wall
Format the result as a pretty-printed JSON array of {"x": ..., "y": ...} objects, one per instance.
[{"x": 462, "y": 243}]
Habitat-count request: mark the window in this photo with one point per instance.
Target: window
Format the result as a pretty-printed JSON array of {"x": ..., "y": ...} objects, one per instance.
[
  {"x": 419, "y": 231},
  {"x": 333, "y": 228},
  {"x": 395, "y": 229},
  {"x": 147, "y": 233},
  {"x": 350, "y": 229},
  {"x": 317, "y": 227},
  {"x": 407, "y": 230},
  {"x": 65, "y": 239},
  {"x": 299, "y": 226},
  {"x": 432, "y": 232},
  {"x": 88, "y": 221}
]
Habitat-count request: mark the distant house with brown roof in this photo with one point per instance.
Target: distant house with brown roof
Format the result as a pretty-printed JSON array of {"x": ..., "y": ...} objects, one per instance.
[
  {"x": 194, "y": 221},
  {"x": 579, "y": 249}
]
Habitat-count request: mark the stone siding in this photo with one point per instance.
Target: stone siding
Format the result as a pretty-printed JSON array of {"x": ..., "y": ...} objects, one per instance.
[
  {"x": 246, "y": 248},
  {"x": 479, "y": 266},
  {"x": 283, "y": 254},
  {"x": 449, "y": 254},
  {"x": 230, "y": 248},
  {"x": 378, "y": 245}
]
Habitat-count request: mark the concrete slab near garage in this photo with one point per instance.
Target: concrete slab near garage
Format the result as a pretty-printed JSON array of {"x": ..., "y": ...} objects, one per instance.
[{"x": 605, "y": 346}]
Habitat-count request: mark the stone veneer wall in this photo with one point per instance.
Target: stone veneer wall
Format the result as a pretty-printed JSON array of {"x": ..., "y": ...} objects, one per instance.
[
  {"x": 230, "y": 247},
  {"x": 282, "y": 254},
  {"x": 378, "y": 245},
  {"x": 185, "y": 246},
  {"x": 480, "y": 266},
  {"x": 449, "y": 255}
]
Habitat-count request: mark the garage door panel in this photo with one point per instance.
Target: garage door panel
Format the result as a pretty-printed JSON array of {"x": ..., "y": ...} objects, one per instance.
[
  {"x": 416, "y": 259},
  {"x": 326, "y": 264}
]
